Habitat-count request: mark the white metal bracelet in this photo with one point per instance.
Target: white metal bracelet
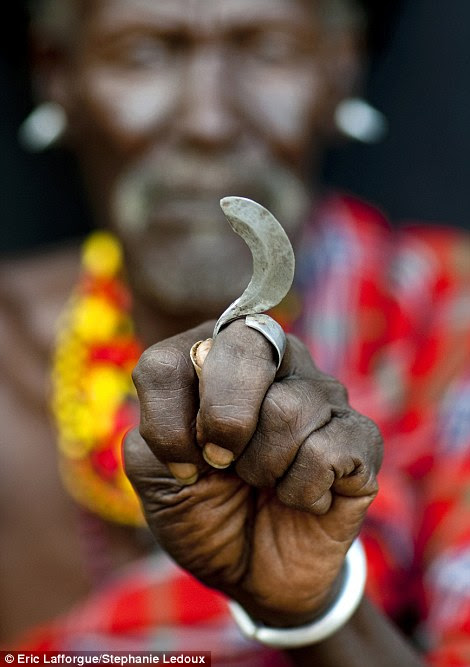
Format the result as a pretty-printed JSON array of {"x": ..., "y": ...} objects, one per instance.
[{"x": 349, "y": 597}]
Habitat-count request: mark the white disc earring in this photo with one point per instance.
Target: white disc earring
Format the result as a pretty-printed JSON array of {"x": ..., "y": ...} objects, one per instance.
[
  {"x": 357, "y": 119},
  {"x": 43, "y": 128}
]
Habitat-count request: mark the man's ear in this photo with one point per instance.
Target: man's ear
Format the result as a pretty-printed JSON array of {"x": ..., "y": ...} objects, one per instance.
[
  {"x": 344, "y": 63},
  {"x": 50, "y": 70},
  {"x": 52, "y": 92}
]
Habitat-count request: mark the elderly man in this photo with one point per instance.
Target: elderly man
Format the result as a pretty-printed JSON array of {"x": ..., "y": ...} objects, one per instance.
[{"x": 254, "y": 479}]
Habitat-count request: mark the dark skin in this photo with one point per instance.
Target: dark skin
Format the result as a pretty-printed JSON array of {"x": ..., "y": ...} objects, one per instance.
[
  {"x": 271, "y": 530},
  {"x": 179, "y": 103},
  {"x": 169, "y": 98},
  {"x": 34, "y": 552},
  {"x": 294, "y": 499},
  {"x": 45, "y": 566}
]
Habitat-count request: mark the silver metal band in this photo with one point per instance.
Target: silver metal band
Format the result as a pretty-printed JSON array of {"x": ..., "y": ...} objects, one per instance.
[
  {"x": 333, "y": 619},
  {"x": 271, "y": 330}
]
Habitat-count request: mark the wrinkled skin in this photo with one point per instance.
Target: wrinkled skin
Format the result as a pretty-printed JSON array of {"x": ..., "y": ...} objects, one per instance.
[
  {"x": 177, "y": 103},
  {"x": 272, "y": 530},
  {"x": 173, "y": 104}
]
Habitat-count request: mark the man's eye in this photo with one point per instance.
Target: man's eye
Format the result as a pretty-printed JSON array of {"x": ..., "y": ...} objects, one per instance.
[
  {"x": 142, "y": 52},
  {"x": 274, "y": 48}
]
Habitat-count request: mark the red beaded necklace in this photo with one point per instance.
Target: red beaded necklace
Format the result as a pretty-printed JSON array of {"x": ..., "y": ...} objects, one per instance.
[{"x": 93, "y": 397}]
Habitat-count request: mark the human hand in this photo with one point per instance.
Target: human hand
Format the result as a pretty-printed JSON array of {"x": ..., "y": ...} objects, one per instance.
[{"x": 271, "y": 531}]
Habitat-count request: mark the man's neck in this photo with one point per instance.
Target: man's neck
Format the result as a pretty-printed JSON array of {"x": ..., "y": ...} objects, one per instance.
[{"x": 154, "y": 324}]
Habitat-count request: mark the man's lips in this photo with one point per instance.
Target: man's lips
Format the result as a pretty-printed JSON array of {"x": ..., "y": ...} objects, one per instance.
[
  {"x": 185, "y": 215},
  {"x": 187, "y": 210}
]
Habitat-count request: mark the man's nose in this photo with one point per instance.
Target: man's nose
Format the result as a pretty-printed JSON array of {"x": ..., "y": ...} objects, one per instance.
[{"x": 209, "y": 117}]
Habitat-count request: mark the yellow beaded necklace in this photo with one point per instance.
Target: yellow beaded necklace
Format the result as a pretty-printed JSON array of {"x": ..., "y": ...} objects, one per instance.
[{"x": 93, "y": 398}]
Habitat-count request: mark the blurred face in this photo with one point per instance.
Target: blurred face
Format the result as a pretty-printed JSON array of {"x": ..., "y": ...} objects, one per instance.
[{"x": 174, "y": 104}]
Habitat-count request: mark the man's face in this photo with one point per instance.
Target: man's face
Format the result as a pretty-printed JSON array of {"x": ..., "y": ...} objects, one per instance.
[{"x": 177, "y": 103}]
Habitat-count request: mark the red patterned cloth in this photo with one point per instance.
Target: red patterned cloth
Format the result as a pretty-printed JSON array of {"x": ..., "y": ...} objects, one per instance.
[{"x": 388, "y": 313}]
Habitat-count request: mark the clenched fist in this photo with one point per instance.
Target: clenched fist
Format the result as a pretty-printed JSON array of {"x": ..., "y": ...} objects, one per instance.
[{"x": 269, "y": 527}]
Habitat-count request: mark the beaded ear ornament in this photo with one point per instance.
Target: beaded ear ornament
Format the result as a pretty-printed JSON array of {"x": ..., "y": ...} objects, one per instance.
[{"x": 93, "y": 397}]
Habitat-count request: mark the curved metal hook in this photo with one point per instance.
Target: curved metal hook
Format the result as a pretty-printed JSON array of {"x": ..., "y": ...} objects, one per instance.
[{"x": 273, "y": 258}]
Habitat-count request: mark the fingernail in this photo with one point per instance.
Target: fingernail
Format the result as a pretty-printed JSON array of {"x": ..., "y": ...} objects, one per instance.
[
  {"x": 203, "y": 350},
  {"x": 216, "y": 456},
  {"x": 184, "y": 473},
  {"x": 198, "y": 354}
]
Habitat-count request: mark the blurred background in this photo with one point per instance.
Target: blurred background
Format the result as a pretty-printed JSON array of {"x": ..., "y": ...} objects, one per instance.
[{"x": 419, "y": 78}]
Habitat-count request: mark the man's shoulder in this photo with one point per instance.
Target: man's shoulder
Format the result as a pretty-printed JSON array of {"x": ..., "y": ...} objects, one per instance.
[
  {"x": 34, "y": 287},
  {"x": 35, "y": 278},
  {"x": 22, "y": 275}
]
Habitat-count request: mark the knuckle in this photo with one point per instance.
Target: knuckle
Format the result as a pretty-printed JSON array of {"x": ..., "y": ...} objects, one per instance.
[
  {"x": 281, "y": 407},
  {"x": 314, "y": 454},
  {"x": 366, "y": 424},
  {"x": 363, "y": 484},
  {"x": 372, "y": 438},
  {"x": 230, "y": 424},
  {"x": 242, "y": 342},
  {"x": 316, "y": 467},
  {"x": 374, "y": 432},
  {"x": 309, "y": 479},
  {"x": 162, "y": 365},
  {"x": 337, "y": 391},
  {"x": 349, "y": 422}
]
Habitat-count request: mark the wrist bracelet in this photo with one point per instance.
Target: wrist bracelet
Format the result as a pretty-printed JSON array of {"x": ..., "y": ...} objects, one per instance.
[{"x": 341, "y": 610}]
